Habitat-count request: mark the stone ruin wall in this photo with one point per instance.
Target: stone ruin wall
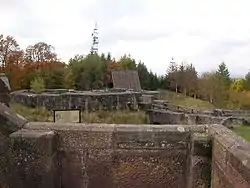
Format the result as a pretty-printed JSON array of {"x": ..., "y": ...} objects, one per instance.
[
  {"x": 86, "y": 100},
  {"x": 159, "y": 112},
  {"x": 78, "y": 100},
  {"x": 121, "y": 156},
  {"x": 230, "y": 159},
  {"x": 170, "y": 117},
  {"x": 51, "y": 155},
  {"x": 161, "y": 117}
]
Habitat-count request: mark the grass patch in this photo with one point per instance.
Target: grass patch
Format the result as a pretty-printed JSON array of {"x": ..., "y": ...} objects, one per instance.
[
  {"x": 185, "y": 101},
  {"x": 243, "y": 131},
  {"x": 116, "y": 117},
  {"x": 32, "y": 114}
]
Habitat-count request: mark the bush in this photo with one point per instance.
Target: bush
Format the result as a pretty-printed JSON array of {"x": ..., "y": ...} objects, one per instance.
[{"x": 38, "y": 85}]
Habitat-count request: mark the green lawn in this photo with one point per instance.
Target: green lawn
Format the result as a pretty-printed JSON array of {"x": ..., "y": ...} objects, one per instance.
[
  {"x": 243, "y": 131},
  {"x": 185, "y": 101}
]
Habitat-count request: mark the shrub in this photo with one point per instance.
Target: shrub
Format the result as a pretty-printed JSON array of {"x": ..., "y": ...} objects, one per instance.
[{"x": 38, "y": 85}]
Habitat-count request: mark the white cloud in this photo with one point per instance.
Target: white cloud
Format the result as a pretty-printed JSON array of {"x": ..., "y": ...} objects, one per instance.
[{"x": 202, "y": 32}]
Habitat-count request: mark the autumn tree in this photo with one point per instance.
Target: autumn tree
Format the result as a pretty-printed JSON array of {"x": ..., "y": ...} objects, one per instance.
[
  {"x": 238, "y": 85},
  {"x": 40, "y": 52},
  {"x": 15, "y": 69},
  {"x": 11, "y": 61},
  {"x": 191, "y": 80},
  {"x": 206, "y": 89},
  {"x": 41, "y": 60},
  {"x": 182, "y": 78},
  {"x": 8, "y": 45}
]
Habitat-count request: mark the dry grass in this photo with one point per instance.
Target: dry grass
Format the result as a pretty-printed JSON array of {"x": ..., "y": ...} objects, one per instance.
[
  {"x": 116, "y": 117},
  {"x": 33, "y": 114}
]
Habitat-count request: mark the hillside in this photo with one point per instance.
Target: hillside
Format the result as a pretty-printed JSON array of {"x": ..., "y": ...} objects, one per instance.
[{"x": 185, "y": 101}]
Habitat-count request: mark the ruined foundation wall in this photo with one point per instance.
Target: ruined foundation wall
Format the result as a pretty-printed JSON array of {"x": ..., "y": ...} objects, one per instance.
[
  {"x": 235, "y": 113},
  {"x": 56, "y": 155},
  {"x": 82, "y": 100},
  {"x": 169, "y": 117},
  {"x": 230, "y": 160},
  {"x": 96, "y": 155}
]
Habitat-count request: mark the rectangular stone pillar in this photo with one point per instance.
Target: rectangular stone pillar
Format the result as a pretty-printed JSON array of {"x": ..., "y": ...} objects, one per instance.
[
  {"x": 199, "y": 161},
  {"x": 34, "y": 159}
]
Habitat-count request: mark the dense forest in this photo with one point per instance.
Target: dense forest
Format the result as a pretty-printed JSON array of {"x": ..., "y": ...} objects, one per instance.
[{"x": 38, "y": 67}]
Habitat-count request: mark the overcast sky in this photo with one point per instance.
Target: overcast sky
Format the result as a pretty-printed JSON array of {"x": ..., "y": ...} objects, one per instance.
[{"x": 198, "y": 31}]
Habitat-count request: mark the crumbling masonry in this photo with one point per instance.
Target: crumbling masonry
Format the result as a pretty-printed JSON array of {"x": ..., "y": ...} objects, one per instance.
[
  {"x": 52, "y": 155},
  {"x": 66, "y": 155}
]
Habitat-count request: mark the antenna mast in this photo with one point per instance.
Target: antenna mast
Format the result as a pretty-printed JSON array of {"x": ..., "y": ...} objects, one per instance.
[{"x": 95, "y": 41}]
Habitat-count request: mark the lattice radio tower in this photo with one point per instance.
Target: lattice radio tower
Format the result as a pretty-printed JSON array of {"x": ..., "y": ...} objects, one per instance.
[{"x": 95, "y": 41}]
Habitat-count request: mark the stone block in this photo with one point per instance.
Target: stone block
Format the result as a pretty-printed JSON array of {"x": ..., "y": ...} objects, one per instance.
[
  {"x": 33, "y": 161},
  {"x": 87, "y": 168},
  {"x": 149, "y": 168},
  {"x": 166, "y": 117}
]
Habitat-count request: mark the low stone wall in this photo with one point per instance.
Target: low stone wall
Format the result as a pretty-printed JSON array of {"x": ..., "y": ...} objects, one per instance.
[
  {"x": 235, "y": 113},
  {"x": 166, "y": 117},
  {"x": 77, "y": 100},
  {"x": 55, "y": 155},
  {"x": 109, "y": 156},
  {"x": 169, "y": 117},
  {"x": 230, "y": 160}
]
